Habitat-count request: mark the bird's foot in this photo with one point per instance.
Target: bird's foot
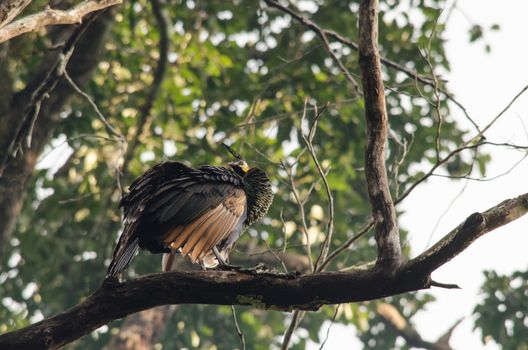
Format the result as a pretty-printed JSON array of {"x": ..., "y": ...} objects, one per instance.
[
  {"x": 223, "y": 266},
  {"x": 263, "y": 270},
  {"x": 111, "y": 281},
  {"x": 259, "y": 270}
]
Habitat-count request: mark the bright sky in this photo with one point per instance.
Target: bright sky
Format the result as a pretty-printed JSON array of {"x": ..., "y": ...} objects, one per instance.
[{"x": 485, "y": 84}]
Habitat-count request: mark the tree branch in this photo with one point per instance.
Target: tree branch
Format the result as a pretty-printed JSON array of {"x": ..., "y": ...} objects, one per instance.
[
  {"x": 384, "y": 214},
  {"x": 15, "y": 176},
  {"x": 38, "y": 94},
  {"x": 262, "y": 290},
  {"x": 386, "y": 62},
  {"x": 394, "y": 320},
  {"x": 271, "y": 291},
  {"x": 475, "y": 226},
  {"x": 323, "y": 36},
  {"x": 51, "y": 16},
  {"x": 9, "y": 9}
]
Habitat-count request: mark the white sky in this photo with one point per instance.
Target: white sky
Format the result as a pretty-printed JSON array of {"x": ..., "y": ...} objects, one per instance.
[{"x": 484, "y": 83}]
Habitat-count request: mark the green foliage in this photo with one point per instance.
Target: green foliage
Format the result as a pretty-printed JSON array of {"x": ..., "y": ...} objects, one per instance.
[
  {"x": 236, "y": 73},
  {"x": 502, "y": 314}
]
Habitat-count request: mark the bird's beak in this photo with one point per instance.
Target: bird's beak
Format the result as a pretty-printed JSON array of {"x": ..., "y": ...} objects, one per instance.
[{"x": 245, "y": 168}]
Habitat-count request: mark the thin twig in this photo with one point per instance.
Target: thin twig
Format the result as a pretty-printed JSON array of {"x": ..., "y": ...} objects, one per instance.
[
  {"x": 300, "y": 204},
  {"x": 431, "y": 171},
  {"x": 324, "y": 39},
  {"x": 103, "y": 119},
  {"x": 110, "y": 129},
  {"x": 466, "y": 145},
  {"x": 239, "y": 332},
  {"x": 42, "y": 91},
  {"x": 387, "y": 62},
  {"x": 308, "y": 140},
  {"x": 515, "y": 165},
  {"x": 347, "y": 244},
  {"x": 275, "y": 256},
  {"x": 436, "y": 103},
  {"x": 490, "y": 124},
  {"x": 296, "y": 319},
  {"x": 330, "y": 326},
  {"x": 444, "y": 213},
  {"x": 79, "y": 198}
]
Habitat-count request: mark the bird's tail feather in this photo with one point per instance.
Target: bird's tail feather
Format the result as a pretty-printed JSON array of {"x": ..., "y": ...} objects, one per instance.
[{"x": 122, "y": 256}]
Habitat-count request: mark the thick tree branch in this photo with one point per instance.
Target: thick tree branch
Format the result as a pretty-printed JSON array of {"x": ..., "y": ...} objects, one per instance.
[
  {"x": 50, "y": 16},
  {"x": 9, "y": 9},
  {"x": 271, "y": 291},
  {"x": 140, "y": 330},
  {"x": 475, "y": 226},
  {"x": 30, "y": 100},
  {"x": 384, "y": 214},
  {"x": 265, "y": 290}
]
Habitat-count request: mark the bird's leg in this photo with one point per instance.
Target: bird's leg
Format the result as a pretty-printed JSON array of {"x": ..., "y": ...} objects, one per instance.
[
  {"x": 222, "y": 264},
  {"x": 168, "y": 260}
]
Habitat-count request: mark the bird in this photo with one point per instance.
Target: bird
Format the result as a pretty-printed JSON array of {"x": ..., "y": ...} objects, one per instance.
[{"x": 196, "y": 212}]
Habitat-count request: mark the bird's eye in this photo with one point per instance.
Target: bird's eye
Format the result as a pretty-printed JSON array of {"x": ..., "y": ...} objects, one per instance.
[{"x": 244, "y": 166}]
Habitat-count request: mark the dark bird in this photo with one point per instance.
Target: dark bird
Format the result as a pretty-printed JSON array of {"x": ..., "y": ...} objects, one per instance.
[{"x": 199, "y": 213}]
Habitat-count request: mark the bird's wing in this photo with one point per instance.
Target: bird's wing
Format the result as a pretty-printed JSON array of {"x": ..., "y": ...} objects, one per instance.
[
  {"x": 133, "y": 204},
  {"x": 184, "y": 208},
  {"x": 210, "y": 227}
]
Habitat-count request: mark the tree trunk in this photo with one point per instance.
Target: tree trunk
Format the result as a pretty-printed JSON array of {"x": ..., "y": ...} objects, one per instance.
[{"x": 18, "y": 172}]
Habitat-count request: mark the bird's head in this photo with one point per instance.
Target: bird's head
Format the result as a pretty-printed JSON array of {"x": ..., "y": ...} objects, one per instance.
[{"x": 239, "y": 165}]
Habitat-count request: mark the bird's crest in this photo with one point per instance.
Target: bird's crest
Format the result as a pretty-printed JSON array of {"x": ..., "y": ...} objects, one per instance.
[{"x": 230, "y": 150}]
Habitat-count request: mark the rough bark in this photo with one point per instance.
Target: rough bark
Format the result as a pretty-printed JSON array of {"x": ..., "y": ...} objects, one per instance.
[
  {"x": 387, "y": 236},
  {"x": 9, "y": 9},
  {"x": 115, "y": 300},
  {"x": 270, "y": 291},
  {"x": 50, "y": 16},
  {"x": 140, "y": 330},
  {"x": 18, "y": 172}
]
